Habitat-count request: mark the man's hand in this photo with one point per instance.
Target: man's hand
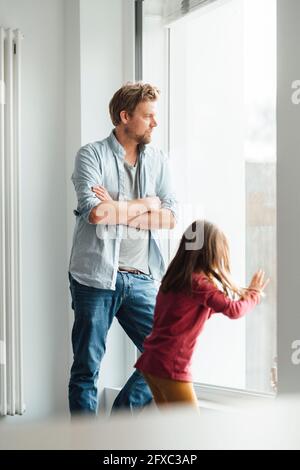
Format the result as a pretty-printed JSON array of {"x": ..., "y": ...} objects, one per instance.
[
  {"x": 152, "y": 203},
  {"x": 162, "y": 219},
  {"x": 101, "y": 193}
]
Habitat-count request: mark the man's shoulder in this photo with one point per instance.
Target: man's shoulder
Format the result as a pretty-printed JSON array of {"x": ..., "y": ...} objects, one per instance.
[
  {"x": 93, "y": 151},
  {"x": 156, "y": 153},
  {"x": 96, "y": 147}
]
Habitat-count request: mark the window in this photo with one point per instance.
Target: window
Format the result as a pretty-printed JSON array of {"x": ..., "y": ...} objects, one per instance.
[{"x": 216, "y": 66}]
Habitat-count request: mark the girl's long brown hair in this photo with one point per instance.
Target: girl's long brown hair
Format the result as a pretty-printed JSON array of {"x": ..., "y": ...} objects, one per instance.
[{"x": 203, "y": 248}]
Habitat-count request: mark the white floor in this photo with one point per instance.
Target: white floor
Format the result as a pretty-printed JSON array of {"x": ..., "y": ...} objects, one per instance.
[{"x": 269, "y": 426}]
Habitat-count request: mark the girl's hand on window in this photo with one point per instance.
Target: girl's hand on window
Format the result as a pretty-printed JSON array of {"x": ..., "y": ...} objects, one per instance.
[{"x": 258, "y": 282}]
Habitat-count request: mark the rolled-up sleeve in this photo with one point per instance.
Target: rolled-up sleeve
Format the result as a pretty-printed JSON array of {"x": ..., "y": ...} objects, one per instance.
[
  {"x": 87, "y": 173},
  {"x": 165, "y": 189}
]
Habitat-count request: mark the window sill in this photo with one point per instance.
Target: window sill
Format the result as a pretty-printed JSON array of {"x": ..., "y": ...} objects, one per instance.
[
  {"x": 211, "y": 397},
  {"x": 229, "y": 399}
]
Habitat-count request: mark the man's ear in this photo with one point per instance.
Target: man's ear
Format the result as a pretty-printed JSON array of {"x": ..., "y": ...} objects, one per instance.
[{"x": 124, "y": 116}]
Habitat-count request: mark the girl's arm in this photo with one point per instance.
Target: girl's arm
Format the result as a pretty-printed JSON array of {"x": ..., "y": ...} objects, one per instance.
[
  {"x": 219, "y": 302},
  {"x": 234, "y": 309}
]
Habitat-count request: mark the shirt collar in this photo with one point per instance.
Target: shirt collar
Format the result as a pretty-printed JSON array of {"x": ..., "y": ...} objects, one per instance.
[{"x": 119, "y": 149}]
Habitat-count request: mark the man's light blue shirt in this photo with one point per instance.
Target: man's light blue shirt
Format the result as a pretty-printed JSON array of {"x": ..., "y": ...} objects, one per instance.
[{"x": 95, "y": 252}]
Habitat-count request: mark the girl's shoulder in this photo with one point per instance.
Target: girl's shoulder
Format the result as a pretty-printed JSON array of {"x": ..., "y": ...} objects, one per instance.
[{"x": 202, "y": 283}]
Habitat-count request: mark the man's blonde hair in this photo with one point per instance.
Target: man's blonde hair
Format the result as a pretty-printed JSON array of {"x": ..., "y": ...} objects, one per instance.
[{"x": 129, "y": 96}]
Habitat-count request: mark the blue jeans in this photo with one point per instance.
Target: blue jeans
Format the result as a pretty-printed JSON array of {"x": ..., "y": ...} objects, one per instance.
[{"x": 132, "y": 303}]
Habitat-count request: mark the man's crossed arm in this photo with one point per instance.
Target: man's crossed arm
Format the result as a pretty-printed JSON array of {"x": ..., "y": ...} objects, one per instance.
[{"x": 145, "y": 213}]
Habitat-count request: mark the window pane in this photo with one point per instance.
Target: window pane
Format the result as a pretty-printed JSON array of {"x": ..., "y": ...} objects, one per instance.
[{"x": 222, "y": 142}]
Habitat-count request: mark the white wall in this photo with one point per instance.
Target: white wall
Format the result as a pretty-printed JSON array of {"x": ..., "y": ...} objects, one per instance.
[
  {"x": 72, "y": 64},
  {"x": 101, "y": 64},
  {"x": 43, "y": 202},
  {"x": 72, "y": 104}
]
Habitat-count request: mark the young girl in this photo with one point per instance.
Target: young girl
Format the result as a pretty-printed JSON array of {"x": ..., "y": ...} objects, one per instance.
[{"x": 189, "y": 294}]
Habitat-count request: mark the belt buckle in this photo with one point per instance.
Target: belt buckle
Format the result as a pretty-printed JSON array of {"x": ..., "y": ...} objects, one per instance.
[
  {"x": 134, "y": 271},
  {"x": 131, "y": 271}
]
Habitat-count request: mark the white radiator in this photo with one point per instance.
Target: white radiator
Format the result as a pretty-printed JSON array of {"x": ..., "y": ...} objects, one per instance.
[{"x": 11, "y": 390}]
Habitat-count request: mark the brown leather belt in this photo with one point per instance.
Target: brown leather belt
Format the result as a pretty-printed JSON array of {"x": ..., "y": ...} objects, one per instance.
[{"x": 131, "y": 271}]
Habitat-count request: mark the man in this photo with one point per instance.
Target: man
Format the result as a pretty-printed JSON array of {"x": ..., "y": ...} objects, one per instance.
[{"x": 124, "y": 196}]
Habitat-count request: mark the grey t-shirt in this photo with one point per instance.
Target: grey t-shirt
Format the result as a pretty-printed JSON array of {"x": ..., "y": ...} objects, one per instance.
[{"x": 134, "y": 248}]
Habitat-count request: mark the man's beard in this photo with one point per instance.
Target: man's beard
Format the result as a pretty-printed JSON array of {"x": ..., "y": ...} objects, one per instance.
[{"x": 140, "y": 139}]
